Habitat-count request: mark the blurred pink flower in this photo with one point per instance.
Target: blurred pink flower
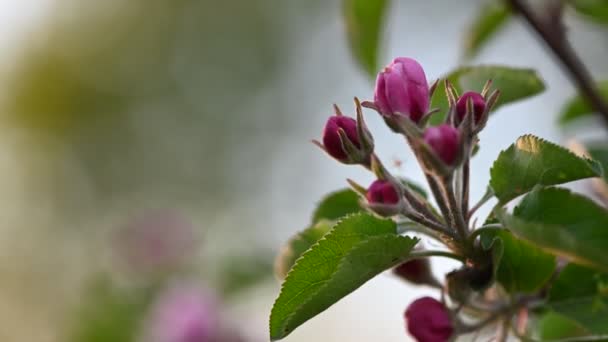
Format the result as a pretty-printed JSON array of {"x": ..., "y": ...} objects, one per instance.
[
  {"x": 156, "y": 242},
  {"x": 183, "y": 313}
]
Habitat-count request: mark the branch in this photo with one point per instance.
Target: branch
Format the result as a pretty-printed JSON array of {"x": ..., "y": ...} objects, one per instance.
[{"x": 550, "y": 31}]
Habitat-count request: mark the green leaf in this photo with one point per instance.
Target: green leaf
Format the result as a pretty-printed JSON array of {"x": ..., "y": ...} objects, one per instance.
[
  {"x": 553, "y": 326},
  {"x": 563, "y": 223},
  {"x": 364, "y": 23},
  {"x": 358, "y": 248},
  {"x": 240, "y": 273},
  {"x": 578, "y": 107},
  {"x": 514, "y": 83},
  {"x": 299, "y": 244},
  {"x": 109, "y": 313},
  {"x": 599, "y": 152},
  {"x": 489, "y": 20},
  {"x": 336, "y": 205},
  {"x": 522, "y": 267},
  {"x": 581, "y": 294},
  {"x": 532, "y": 161},
  {"x": 417, "y": 188},
  {"x": 596, "y": 10}
]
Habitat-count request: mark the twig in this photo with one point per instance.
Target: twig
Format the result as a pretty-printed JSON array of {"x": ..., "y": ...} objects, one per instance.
[{"x": 552, "y": 34}]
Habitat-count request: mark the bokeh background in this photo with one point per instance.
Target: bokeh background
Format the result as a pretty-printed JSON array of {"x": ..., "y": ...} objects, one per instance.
[{"x": 197, "y": 115}]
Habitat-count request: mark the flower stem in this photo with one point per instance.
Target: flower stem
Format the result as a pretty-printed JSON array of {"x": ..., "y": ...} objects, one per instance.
[
  {"x": 454, "y": 208},
  {"x": 425, "y": 254},
  {"x": 552, "y": 33}
]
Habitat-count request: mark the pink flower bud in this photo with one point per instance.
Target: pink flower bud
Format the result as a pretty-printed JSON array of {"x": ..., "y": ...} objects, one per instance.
[
  {"x": 183, "y": 314},
  {"x": 331, "y": 135},
  {"x": 444, "y": 140},
  {"x": 382, "y": 192},
  {"x": 428, "y": 320},
  {"x": 416, "y": 271},
  {"x": 402, "y": 89},
  {"x": 479, "y": 106}
]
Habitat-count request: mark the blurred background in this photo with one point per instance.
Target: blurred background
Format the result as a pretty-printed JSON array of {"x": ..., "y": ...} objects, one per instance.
[{"x": 153, "y": 146}]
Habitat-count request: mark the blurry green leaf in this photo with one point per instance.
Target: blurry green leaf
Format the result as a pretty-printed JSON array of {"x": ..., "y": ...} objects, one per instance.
[
  {"x": 578, "y": 107},
  {"x": 242, "y": 273},
  {"x": 110, "y": 314},
  {"x": 581, "y": 294},
  {"x": 364, "y": 23},
  {"x": 336, "y": 205},
  {"x": 553, "y": 326},
  {"x": 596, "y": 10},
  {"x": 532, "y": 161},
  {"x": 358, "y": 248},
  {"x": 299, "y": 244},
  {"x": 489, "y": 20},
  {"x": 562, "y": 223},
  {"x": 415, "y": 187},
  {"x": 599, "y": 152},
  {"x": 522, "y": 267},
  {"x": 495, "y": 243},
  {"x": 514, "y": 83}
]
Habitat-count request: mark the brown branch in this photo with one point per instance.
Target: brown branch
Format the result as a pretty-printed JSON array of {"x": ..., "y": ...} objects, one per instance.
[{"x": 551, "y": 32}]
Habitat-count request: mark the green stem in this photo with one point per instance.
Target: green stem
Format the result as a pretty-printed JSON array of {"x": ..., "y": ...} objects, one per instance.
[
  {"x": 486, "y": 197},
  {"x": 465, "y": 189},
  {"x": 457, "y": 214},
  {"x": 480, "y": 230},
  {"x": 426, "y": 254},
  {"x": 439, "y": 198}
]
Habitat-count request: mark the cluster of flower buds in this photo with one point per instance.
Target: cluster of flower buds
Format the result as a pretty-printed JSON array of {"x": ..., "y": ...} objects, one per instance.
[{"x": 402, "y": 97}]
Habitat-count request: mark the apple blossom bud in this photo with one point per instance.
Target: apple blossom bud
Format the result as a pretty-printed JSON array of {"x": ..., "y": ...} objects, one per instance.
[
  {"x": 346, "y": 139},
  {"x": 428, "y": 320},
  {"x": 382, "y": 192},
  {"x": 479, "y": 106},
  {"x": 402, "y": 89},
  {"x": 416, "y": 271},
  {"x": 331, "y": 135},
  {"x": 444, "y": 140}
]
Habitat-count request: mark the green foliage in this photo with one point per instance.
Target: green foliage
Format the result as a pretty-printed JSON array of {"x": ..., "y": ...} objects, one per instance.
[
  {"x": 577, "y": 107},
  {"x": 532, "y": 161},
  {"x": 596, "y": 10},
  {"x": 110, "y": 314},
  {"x": 563, "y": 223},
  {"x": 336, "y": 205},
  {"x": 299, "y": 244},
  {"x": 553, "y": 326},
  {"x": 359, "y": 247},
  {"x": 243, "y": 272},
  {"x": 364, "y": 23},
  {"x": 489, "y": 20},
  {"x": 581, "y": 294},
  {"x": 599, "y": 152},
  {"x": 514, "y": 83},
  {"x": 522, "y": 267}
]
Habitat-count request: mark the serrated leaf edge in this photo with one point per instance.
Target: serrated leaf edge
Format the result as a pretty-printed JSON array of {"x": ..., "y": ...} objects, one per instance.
[
  {"x": 314, "y": 246},
  {"x": 593, "y": 164}
]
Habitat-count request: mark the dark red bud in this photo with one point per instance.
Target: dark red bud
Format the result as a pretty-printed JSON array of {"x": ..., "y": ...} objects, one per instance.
[
  {"x": 444, "y": 140},
  {"x": 331, "y": 135},
  {"x": 382, "y": 192},
  {"x": 428, "y": 320},
  {"x": 479, "y": 106},
  {"x": 416, "y": 271}
]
